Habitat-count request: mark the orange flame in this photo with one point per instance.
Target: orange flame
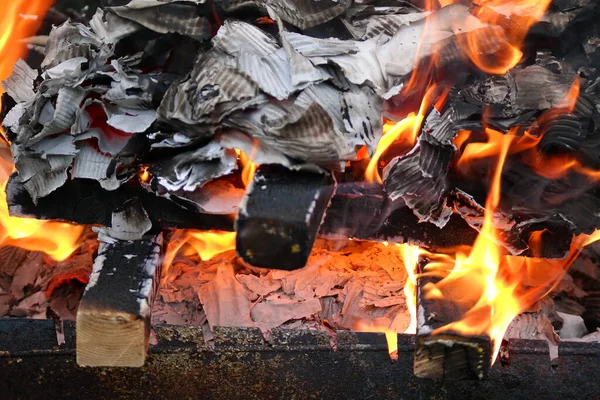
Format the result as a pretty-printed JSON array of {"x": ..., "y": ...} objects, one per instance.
[
  {"x": 405, "y": 131},
  {"x": 410, "y": 257},
  {"x": 513, "y": 20},
  {"x": 392, "y": 132},
  {"x": 375, "y": 326},
  {"x": 516, "y": 18},
  {"x": 144, "y": 174},
  {"x": 248, "y": 166},
  {"x": 493, "y": 287},
  {"x": 20, "y": 19},
  {"x": 477, "y": 274},
  {"x": 490, "y": 286},
  {"x": 206, "y": 244}
]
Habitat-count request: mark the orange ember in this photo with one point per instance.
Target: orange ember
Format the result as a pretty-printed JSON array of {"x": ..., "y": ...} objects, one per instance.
[
  {"x": 144, "y": 174},
  {"x": 20, "y": 19}
]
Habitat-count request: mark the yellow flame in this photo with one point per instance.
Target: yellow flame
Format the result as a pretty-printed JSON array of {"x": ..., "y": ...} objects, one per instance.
[{"x": 248, "y": 167}]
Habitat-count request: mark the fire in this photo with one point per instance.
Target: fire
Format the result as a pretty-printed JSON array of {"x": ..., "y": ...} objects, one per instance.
[
  {"x": 404, "y": 131},
  {"x": 477, "y": 275},
  {"x": 20, "y": 19},
  {"x": 206, "y": 244},
  {"x": 492, "y": 286},
  {"x": 248, "y": 166},
  {"x": 392, "y": 133},
  {"x": 515, "y": 17},
  {"x": 410, "y": 257},
  {"x": 144, "y": 174}
]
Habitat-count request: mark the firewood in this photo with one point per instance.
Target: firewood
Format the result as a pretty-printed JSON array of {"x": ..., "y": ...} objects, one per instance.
[
  {"x": 591, "y": 315},
  {"x": 368, "y": 214},
  {"x": 280, "y": 216},
  {"x": 113, "y": 320},
  {"x": 447, "y": 354},
  {"x": 84, "y": 201}
]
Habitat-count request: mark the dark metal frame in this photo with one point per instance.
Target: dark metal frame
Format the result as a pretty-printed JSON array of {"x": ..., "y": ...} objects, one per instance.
[{"x": 292, "y": 365}]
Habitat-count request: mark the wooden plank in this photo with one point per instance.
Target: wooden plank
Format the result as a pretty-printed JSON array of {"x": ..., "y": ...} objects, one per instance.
[
  {"x": 355, "y": 211},
  {"x": 113, "y": 319},
  {"x": 280, "y": 216},
  {"x": 366, "y": 213},
  {"x": 84, "y": 201},
  {"x": 447, "y": 354}
]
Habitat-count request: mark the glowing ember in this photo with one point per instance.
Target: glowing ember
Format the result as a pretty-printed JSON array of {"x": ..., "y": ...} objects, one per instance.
[
  {"x": 58, "y": 240},
  {"x": 144, "y": 174}
]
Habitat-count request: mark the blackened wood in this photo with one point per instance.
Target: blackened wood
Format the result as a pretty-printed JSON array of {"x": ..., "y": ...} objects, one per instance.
[
  {"x": 591, "y": 315},
  {"x": 355, "y": 211},
  {"x": 446, "y": 354},
  {"x": 367, "y": 214},
  {"x": 113, "y": 319},
  {"x": 280, "y": 216},
  {"x": 84, "y": 201}
]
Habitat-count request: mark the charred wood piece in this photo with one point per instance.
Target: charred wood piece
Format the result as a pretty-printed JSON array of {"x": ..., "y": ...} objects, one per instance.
[
  {"x": 591, "y": 315},
  {"x": 113, "y": 319},
  {"x": 446, "y": 354},
  {"x": 280, "y": 216},
  {"x": 368, "y": 214},
  {"x": 84, "y": 201}
]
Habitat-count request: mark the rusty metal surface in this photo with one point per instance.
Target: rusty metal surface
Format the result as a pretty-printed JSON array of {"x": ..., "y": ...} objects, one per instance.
[{"x": 293, "y": 365}]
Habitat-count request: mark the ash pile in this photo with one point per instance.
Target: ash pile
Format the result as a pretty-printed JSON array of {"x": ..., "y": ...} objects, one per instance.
[{"x": 156, "y": 99}]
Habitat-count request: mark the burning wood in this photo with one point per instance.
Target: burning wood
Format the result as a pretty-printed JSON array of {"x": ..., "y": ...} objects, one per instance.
[
  {"x": 448, "y": 354},
  {"x": 139, "y": 119},
  {"x": 269, "y": 231}
]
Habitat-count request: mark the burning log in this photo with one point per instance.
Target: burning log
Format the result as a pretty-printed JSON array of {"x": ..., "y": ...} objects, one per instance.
[
  {"x": 446, "y": 354},
  {"x": 113, "y": 320},
  {"x": 280, "y": 216}
]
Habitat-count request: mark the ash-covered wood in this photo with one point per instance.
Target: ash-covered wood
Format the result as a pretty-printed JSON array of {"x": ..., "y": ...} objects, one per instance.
[
  {"x": 113, "y": 319},
  {"x": 280, "y": 216},
  {"x": 446, "y": 354}
]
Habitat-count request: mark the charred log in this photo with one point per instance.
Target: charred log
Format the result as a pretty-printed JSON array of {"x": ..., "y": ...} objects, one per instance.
[
  {"x": 368, "y": 214},
  {"x": 280, "y": 216},
  {"x": 86, "y": 202},
  {"x": 591, "y": 315},
  {"x": 113, "y": 319},
  {"x": 446, "y": 354}
]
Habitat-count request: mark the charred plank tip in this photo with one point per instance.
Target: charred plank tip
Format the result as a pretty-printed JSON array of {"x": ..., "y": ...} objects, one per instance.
[
  {"x": 452, "y": 356},
  {"x": 280, "y": 216}
]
